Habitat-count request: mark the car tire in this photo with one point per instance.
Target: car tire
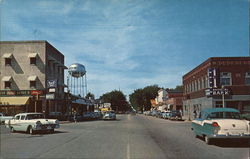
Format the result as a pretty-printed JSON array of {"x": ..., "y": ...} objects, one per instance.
[
  {"x": 12, "y": 129},
  {"x": 30, "y": 130},
  {"x": 52, "y": 131}
]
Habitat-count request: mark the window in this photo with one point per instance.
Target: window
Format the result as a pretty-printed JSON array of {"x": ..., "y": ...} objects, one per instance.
[
  {"x": 247, "y": 78},
  {"x": 225, "y": 79},
  {"x": 7, "y": 61},
  {"x": 22, "y": 117},
  {"x": 7, "y": 84},
  {"x": 17, "y": 117},
  {"x": 33, "y": 61},
  {"x": 32, "y": 84}
]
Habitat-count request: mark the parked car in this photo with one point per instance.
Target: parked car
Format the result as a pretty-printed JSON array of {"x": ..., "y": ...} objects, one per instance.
[
  {"x": 175, "y": 115},
  {"x": 31, "y": 123},
  {"x": 109, "y": 115},
  {"x": 153, "y": 113},
  {"x": 165, "y": 115},
  {"x": 3, "y": 118},
  {"x": 220, "y": 123}
]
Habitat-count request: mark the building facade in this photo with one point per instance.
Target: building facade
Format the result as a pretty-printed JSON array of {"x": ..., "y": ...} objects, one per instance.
[
  {"x": 217, "y": 82},
  {"x": 174, "y": 100},
  {"x": 32, "y": 77}
]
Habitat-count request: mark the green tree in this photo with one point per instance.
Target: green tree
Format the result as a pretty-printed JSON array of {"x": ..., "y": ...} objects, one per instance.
[
  {"x": 140, "y": 98},
  {"x": 90, "y": 96},
  {"x": 117, "y": 99}
]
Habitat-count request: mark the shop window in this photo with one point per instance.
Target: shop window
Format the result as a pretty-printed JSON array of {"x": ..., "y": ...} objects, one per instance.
[
  {"x": 7, "y": 84},
  {"x": 32, "y": 84},
  {"x": 33, "y": 61},
  {"x": 225, "y": 79},
  {"x": 8, "y": 61},
  {"x": 247, "y": 78}
]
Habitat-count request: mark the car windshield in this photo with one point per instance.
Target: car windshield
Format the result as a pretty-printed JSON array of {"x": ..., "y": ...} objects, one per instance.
[
  {"x": 224, "y": 115},
  {"x": 34, "y": 116}
]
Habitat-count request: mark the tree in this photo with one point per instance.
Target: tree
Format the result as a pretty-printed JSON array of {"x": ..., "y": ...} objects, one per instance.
[
  {"x": 140, "y": 98},
  {"x": 90, "y": 96},
  {"x": 117, "y": 99}
]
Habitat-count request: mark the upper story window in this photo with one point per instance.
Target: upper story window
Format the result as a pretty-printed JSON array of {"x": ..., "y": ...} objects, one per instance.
[
  {"x": 32, "y": 84},
  {"x": 7, "y": 57},
  {"x": 225, "y": 79},
  {"x": 7, "y": 61},
  {"x": 33, "y": 61},
  {"x": 32, "y": 57},
  {"x": 247, "y": 78},
  {"x": 7, "y": 84}
]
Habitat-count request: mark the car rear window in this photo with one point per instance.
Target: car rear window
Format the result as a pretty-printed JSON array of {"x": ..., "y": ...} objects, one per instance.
[{"x": 224, "y": 115}]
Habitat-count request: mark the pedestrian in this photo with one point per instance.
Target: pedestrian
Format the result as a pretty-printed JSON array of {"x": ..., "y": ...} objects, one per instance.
[
  {"x": 75, "y": 119},
  {"x": 181, "y": 112},
  {"x": 195, "y": 114}
]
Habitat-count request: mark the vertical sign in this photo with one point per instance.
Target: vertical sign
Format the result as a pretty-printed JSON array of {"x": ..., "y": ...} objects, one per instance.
[{"x": 212, "y": 78}]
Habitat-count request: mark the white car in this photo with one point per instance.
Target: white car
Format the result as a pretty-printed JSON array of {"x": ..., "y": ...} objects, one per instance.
[
  {"x": 109, "y": 115},
  {"x": 220, "y": 123},
  {"x": 31, "y": 123}
]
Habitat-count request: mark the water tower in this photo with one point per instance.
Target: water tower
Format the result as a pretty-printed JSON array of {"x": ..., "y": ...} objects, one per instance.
[{"x": 77, "y": 80}]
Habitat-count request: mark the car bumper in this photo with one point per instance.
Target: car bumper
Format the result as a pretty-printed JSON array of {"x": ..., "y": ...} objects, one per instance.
[{"x": 230, "y": 136}]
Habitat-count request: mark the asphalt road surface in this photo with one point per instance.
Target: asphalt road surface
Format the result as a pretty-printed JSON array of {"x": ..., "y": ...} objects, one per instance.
[{"x": 128, "y": 137}]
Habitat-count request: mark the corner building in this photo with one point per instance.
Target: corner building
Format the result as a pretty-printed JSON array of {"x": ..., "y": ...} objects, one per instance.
[
  {"x": 217, "y": 82},
  {"x": 25, "y": 69}
]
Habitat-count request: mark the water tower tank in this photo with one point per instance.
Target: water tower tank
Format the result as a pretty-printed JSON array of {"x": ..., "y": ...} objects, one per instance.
[{"x": 77, "y": 70}]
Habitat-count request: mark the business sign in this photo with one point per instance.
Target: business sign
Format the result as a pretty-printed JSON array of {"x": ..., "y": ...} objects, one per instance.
[
  {"x": 52, "y": 90},
  {"x": 213, "y": 91},
  {"x": 50, "y": 96},
  {"x": 212, "y": 78},
  {"x": 52, "y": 83},
  {"x": 36, "y": 92}
]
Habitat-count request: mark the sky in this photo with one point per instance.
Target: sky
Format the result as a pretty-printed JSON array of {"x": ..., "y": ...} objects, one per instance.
[{"x": 129, "y": 44}]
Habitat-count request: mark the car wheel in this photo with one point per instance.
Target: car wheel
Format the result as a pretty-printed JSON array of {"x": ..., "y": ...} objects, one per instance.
[
  {"x": 12, "y": 130},
  {"x": 52, "y": 131},
  {"x": 30, "y": 130},
  {"x": 207, "y": 140}
]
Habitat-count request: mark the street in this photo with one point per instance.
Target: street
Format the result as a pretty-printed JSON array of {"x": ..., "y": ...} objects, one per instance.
[{"x": 128, "y": 137}]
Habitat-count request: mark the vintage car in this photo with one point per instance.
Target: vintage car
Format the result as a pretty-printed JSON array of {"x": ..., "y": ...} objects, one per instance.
[
  {"x": 31, "y": 123},
  {"x": 174, "y": 115},
  {"x": 109, "y": 115},
  {"x": 220, "y": 123}
]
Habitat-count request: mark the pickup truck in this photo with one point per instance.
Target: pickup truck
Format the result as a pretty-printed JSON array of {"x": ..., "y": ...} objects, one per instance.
[{"x": 3, "y": 118}]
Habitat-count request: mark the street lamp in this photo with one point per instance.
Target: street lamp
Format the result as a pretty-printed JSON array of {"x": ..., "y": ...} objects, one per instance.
[{"x": 223, "y": 96}]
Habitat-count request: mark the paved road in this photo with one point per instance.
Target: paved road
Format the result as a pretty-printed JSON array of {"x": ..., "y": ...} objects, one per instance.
[{"x": 129, "y": 137}]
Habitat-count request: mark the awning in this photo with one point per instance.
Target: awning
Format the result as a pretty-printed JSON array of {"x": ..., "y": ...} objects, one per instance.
[
  {"x": 7, "y": 55},
  {"x": 6, "y": 78},
  {"x": 32, "y": 78},
  {"x": 32, "y": 55},
  {"x": 14, "y": 100}
]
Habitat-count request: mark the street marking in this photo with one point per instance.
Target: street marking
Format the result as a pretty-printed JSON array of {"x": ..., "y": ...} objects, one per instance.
[{"x": 128, "y": 151}]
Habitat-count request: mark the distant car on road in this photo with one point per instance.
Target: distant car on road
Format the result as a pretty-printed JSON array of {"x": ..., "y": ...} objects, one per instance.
[
  {"x": 175, "y": 115},
  {"x": 220, "y": 123},
  {"x": 109, "y": 115},
  {"x": 31, "y": 123}
]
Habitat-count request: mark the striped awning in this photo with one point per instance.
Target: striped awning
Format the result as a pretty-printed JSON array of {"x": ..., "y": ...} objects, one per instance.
[{"x": 14, "y": 100}]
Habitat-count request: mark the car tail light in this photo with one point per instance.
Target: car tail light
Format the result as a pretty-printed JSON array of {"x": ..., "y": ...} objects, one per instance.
[{"x": 215, "y": 124}]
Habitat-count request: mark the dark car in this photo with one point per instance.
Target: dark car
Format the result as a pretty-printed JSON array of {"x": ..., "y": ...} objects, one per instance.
[{"x": 175, "y": 115}]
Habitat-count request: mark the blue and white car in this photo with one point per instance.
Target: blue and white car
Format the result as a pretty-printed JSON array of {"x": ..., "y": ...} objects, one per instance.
[{"x": 220, "y": 123}]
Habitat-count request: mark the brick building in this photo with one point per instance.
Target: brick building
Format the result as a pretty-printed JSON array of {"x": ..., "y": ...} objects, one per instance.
[
  {"x": 174, "y": 99},
  {"x": 217, "y": 82},
  {"x": 26, "y": 68}
]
